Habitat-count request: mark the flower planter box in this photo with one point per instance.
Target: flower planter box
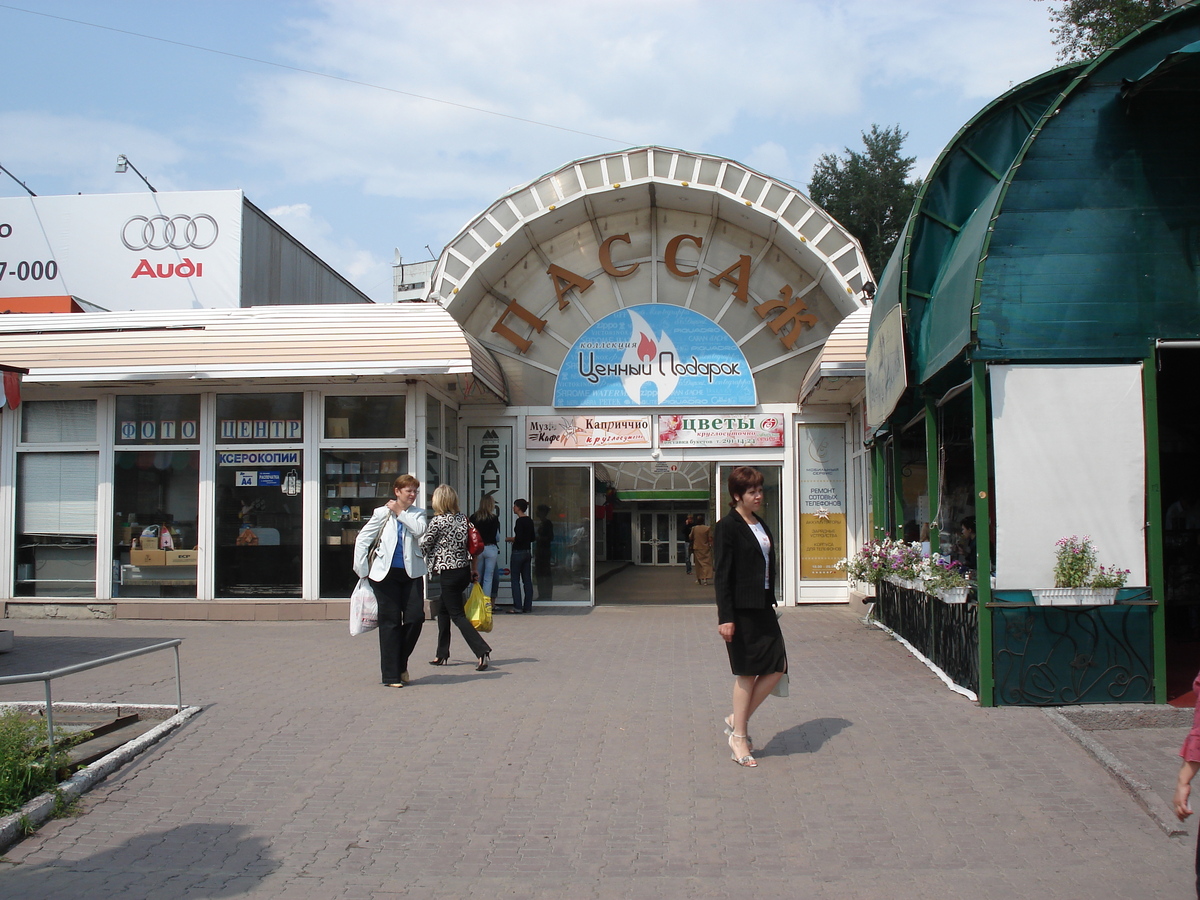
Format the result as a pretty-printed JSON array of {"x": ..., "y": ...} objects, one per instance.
[
  {"x": 953, "y": 595},
  {"x": 907, "y": 583},
  {"x": 1074, "y": 596}
]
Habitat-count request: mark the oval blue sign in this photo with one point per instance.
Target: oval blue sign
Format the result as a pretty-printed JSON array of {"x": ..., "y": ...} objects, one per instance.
[{"x": 656, "y": 354}]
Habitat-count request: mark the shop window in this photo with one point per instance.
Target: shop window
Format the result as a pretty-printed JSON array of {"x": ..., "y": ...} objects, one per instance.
[
  {"x": 354, "y": 484},
  {"x": 58, "y": 422},
  {"x": 914, "y": 485},
  {"x": 260, "y": 418},
  {"x": 260, "y": 524},
  {"x": 155, "y": 503},
  {"x": 956, "y": 474},
  {"x": 164, "y": 419},
  {"x": 450, "y": 432},
  {"x": 433, "y": 423},
  {"x": 56, "y": 524},
  {"x": 380, "y": 416},
  {"x": 561, "y": 504},
  {"x": 433, "y": 471}
]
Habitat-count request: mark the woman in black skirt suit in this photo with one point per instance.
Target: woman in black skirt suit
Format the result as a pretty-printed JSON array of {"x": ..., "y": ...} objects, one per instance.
[{"x": 745, "y": 581}]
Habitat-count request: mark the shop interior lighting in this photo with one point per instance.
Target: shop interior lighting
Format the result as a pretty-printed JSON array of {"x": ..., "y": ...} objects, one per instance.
[
  {"x": 17, "y": 180},
  {"x": 123, "y": 164}
]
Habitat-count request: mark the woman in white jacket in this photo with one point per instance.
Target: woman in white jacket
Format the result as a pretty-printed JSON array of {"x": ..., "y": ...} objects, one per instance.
[{"x": 396, "y": 564}]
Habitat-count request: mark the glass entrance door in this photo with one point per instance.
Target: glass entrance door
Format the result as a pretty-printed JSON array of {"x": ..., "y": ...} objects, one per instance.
[
  {"x": 562, "y": 504},
  {"x": 656, "y": 539}
]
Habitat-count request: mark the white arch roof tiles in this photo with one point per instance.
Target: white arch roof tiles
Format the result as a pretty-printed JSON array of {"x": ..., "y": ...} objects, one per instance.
[{"x": 545, "y": 207}]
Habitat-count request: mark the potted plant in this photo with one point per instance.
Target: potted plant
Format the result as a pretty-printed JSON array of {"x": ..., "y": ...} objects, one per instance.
[
  {"x": 1078, "y": 579},
  {"x": 945, "y": 580},
  {"x": 881, "y": 559}
]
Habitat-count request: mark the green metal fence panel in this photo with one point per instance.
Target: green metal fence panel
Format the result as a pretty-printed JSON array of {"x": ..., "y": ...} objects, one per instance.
[{"x": 1059, "y": 656}]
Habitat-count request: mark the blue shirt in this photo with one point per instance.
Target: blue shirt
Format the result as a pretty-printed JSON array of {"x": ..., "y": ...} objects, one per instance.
[{"x": 398, "y": 554}]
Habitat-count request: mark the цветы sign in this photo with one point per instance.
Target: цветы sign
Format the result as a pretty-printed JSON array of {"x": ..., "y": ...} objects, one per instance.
[{"x": 736, "y": 430}]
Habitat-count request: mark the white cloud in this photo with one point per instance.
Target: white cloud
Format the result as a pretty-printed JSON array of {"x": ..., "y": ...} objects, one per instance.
[{"x": 700, "y": 74}]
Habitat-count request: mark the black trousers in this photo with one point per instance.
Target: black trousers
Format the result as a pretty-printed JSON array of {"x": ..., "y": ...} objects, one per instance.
[
  {"x": 450, "y": 609},
  {"x": 401, "y": 616}
]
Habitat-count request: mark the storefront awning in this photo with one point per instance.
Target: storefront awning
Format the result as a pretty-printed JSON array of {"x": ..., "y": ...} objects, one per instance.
[
  {"x": 837, "y": 374},
  {"x": 278, "y": 342}
]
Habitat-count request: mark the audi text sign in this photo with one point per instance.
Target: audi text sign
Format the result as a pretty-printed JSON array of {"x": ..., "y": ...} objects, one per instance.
[{"x": 137, "y": 251}]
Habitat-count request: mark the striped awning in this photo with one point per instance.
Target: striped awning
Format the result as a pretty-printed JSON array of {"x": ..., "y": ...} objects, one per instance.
[
  {"x": 831, "y": 377},
  {"x": 309, "y": 342}
]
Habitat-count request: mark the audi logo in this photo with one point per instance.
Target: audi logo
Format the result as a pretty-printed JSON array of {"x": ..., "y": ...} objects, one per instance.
[{"x": 170, "y": 232}]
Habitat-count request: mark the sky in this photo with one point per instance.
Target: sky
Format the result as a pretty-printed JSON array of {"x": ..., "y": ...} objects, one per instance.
[{"x": 367, "y": 127}]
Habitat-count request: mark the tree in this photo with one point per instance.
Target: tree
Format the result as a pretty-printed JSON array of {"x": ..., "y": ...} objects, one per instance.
[
  {"x": 1089, "y": 27},
  {"x": 869, "y": 192}
]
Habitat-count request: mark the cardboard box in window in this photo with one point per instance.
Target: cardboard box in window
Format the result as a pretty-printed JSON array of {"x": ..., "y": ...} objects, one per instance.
[
  {"x": 148, "y": 557},
  {"x": 337, "y": 428},
  {"x": 181, "y": 557}
]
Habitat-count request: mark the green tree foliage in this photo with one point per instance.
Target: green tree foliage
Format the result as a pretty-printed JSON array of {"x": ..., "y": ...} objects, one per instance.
[
  {"x": 868, "y": 192},
  {"x": 1087, "y": 28}
]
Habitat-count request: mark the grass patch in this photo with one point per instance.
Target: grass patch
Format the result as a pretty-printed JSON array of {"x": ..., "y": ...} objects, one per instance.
[{"x": 27, "y": 767}]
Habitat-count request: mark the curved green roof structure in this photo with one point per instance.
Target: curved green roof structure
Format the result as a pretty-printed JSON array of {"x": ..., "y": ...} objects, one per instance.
[{"x": 1063, "y": 221}]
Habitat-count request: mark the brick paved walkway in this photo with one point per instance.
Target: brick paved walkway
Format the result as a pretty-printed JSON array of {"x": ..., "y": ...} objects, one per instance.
[{"x": 586, "y": 764}]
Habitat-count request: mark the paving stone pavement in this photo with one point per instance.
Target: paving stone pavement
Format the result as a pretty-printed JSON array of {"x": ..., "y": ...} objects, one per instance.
[{"x": 587, "y": 763}]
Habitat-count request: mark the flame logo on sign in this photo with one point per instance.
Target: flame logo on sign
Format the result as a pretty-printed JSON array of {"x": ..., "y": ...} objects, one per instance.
[{"x": 644, "y": 349}]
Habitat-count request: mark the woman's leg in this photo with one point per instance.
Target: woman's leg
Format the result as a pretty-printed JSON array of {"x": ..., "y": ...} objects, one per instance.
[
  {"x": 391, "y": 618},
  {"x": 443, "y": 617},
  {"x": 487, "y": 569},
  {"x": 413, "y": 605},
  {"x": 749, "y": 692},
  {"x": 454, "y": 583}
]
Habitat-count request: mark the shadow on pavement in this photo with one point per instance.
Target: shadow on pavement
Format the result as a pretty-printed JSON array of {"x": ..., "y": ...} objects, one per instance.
[
  {"x": 41, "y": 654},
  {"x": 807, "y": 737},
  {"x": 201, "y": 861}
]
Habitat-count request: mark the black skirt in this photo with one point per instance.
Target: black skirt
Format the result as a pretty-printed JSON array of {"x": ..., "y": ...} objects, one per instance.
[{"x": 757, "y": 646}]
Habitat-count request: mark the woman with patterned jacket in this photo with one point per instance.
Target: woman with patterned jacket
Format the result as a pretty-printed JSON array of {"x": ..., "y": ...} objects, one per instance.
[{"x": 445, "y": 547}]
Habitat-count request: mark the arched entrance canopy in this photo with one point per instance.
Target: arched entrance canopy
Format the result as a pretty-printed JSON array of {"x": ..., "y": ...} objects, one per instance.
[{"x": 651, "y": 225}]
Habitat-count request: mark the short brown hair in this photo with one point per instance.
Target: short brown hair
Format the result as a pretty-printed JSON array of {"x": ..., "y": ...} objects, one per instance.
[
  {"x": 742, "y": 479},
  {"x": 405, "y": 481}
]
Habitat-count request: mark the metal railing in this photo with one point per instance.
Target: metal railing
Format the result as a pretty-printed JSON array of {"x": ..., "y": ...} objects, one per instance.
[{"x": 47, "y": 677}]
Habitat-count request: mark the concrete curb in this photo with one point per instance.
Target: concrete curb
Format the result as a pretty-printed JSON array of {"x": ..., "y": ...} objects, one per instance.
[
  {"x": 39, "y": 810},
  {"x": 1154, "y": 805}
]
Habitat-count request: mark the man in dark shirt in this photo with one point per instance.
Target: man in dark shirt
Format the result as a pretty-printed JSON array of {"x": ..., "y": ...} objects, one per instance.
[{"x": 521, "y": 561}]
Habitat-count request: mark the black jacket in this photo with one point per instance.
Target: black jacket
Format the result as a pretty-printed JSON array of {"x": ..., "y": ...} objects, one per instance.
[{"x": 739, "y": 567}]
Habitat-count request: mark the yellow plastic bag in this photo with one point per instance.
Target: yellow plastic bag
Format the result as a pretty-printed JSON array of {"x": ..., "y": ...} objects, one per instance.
[{"x": 479, "y": 608}]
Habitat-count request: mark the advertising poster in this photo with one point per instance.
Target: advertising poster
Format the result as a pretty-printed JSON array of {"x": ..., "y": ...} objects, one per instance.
[
  {"x": 552, "y": 432},
  {"x": 656, "y": 354},
  {"x": 822, "y": 500},
  {"x": 134, "y": 251},
  {"x": 720, "y": 431}
]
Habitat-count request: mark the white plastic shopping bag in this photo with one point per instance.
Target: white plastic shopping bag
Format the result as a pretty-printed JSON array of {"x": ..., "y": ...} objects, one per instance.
[{"x": 364, "y": 611}]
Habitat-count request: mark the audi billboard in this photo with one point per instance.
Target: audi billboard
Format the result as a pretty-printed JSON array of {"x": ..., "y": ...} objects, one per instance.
[{"x": 139, "y": 251}]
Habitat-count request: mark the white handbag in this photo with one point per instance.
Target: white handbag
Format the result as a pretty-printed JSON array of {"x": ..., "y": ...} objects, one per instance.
[
  {"x": 781, "y": 689},
  {"x": 364, "y": 609}
]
